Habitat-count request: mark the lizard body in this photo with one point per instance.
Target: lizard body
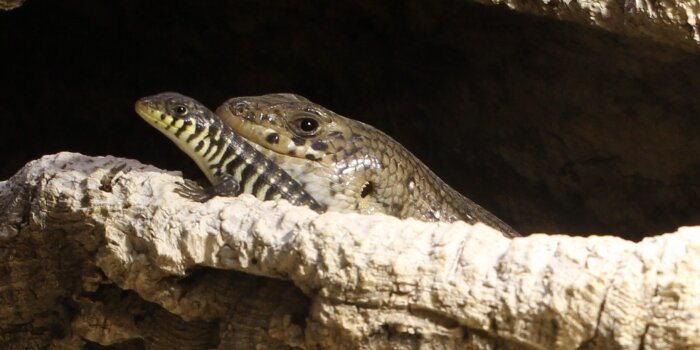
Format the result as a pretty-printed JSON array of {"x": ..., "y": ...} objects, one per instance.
[{"x": 346, "y": 165}]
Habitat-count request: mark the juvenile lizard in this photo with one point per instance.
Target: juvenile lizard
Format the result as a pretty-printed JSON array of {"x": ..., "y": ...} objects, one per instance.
[{"x": 228, "y": 161}]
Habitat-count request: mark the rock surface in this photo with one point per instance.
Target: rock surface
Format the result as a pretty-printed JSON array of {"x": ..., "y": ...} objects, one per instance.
[{"x": 101, "y": 251}]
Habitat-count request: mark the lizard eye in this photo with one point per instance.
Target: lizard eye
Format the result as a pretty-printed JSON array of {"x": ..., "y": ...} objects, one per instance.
[
  {"x": 180, "y": 110},
  {"x": 308, "y": 124},
  {"x": 305, "y": 125}
]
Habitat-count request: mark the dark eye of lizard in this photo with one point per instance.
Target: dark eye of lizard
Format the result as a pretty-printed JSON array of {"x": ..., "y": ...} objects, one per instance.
[
  {"x": 307, "y": 125},
  {"x": 180, "y": 110}
]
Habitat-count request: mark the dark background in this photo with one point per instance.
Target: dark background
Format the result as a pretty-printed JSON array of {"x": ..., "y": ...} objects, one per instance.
[{"x": 554, "y": 127}]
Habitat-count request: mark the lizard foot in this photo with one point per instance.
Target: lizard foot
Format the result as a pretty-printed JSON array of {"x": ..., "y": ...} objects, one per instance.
[{"x": 189, "y": 189}]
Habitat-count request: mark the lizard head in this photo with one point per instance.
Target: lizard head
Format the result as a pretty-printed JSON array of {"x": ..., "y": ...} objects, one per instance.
[
  {"x": 287, "y": 124},
  {"x": 188, "y": 123},
  {"x": 170, "y": 112}
]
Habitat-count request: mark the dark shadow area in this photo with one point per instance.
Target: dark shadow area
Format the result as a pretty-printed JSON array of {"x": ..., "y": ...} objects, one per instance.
[
  {"x": 137, "y": 344},
  {"x": 552, "y": 126}
]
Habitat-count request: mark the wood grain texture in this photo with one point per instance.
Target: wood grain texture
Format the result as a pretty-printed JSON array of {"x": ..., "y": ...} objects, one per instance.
[{"x": 94, "y": 255}]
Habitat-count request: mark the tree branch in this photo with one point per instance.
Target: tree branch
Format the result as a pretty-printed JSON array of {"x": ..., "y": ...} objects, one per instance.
[{"x": 100, "y": 249}]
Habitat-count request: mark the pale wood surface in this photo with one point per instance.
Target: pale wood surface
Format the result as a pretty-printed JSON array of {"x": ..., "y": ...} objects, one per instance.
[{"x": 100, "y": 249}]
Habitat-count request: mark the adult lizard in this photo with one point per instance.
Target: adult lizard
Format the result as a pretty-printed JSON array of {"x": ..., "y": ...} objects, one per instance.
[{"x": 346, "y": 165}]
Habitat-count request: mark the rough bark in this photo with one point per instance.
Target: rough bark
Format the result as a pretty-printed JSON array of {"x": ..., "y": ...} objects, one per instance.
[
  {"x": 100, "y": 250},
  {"x": 673, "y": 22},
  {"x": 10, "y": 4}
]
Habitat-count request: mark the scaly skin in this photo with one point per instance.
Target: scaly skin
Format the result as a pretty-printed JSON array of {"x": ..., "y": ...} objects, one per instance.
[
  {"x": 346, "y": 165},
  {"x": 230, "y": 163}
]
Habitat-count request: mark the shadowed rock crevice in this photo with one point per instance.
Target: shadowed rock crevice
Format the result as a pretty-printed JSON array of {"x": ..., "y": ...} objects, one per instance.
[{"x": 552, "y": 126}]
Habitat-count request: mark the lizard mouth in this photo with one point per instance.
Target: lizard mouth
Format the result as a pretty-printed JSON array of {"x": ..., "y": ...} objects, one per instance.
[
  {"x": 161, "y": 120},
  {"x": 148, "y": 114},
  {"x": 165, "y": 122}
]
